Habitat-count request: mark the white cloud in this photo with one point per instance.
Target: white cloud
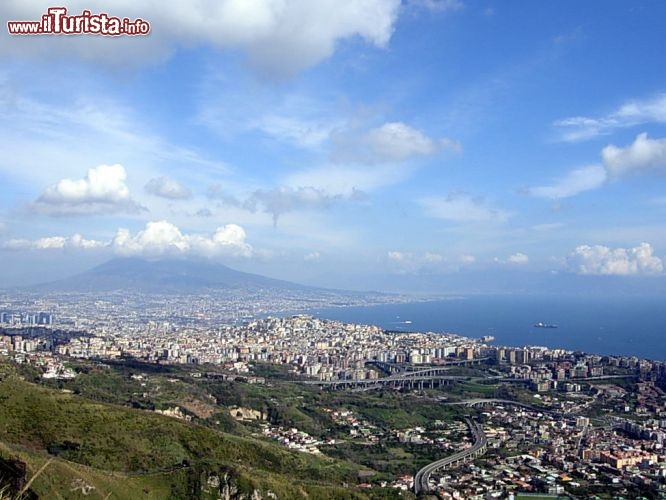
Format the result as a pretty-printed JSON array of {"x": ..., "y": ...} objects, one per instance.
[
  {"x": 78, "y": 129},
  {"x": 405, "y": 262},
  {"x": 632, "y": 113},
  {"x": 398, "y": 256},
  {"x": 280, "y": 37},
  {"x": 397, "y": 141},
  {"x": 414, "y": 263},
  {"x": 163, "y": 238},
  {"x": 391, "y": 142},
  {"x": 75, "y": 241},
  {"x": 641, "y": 111},
  {"x": 515, "y": 259},
  {"x": 518, "y": 258},
  {"x": 573, "y": 183},
  {"x": 327, "y": 185},
  {"x": 160, "y": 238},
  {"x": 433, "y": 257},
  {"x": 101, "y": 191},
  {"x": 643, "y": 154},
  {"x": 580, "y": 128},
  {"x": 165, "y": 187},
  {"x": 601, "y": 260},
  {"x": 461, "y": 207}
]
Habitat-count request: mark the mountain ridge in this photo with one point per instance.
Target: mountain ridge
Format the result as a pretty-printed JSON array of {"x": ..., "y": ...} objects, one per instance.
[{"x": 166, "y": 276}]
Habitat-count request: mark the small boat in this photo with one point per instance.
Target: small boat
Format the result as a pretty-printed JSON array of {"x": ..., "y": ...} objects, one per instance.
[{"x": 544, "y": 325}]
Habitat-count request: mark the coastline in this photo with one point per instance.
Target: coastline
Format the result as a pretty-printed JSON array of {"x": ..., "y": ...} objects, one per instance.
[{"x": 600, "y": 325}]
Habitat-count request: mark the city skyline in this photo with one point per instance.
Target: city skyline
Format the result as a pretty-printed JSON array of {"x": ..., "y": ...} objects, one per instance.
[{"x": 339, "y": 145}]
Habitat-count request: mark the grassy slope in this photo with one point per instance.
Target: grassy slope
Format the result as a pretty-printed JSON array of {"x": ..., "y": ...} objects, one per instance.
[
  {"x": 136, "y": 454},
  {"x": 63, "y": 479}
]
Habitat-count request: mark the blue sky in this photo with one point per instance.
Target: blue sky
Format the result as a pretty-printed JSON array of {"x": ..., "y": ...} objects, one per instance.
[{"x": 339, "y": 143}]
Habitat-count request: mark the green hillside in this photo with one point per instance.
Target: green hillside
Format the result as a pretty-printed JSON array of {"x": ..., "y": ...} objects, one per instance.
[{"x": 81, "y": 448}]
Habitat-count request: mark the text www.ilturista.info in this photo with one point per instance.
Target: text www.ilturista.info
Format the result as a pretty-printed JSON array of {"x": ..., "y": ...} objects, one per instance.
[{"x": 57, "y": 22}]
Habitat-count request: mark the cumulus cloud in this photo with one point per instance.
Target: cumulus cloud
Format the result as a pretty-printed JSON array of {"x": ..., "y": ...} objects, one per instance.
[
  {"x": 642, "y": 155},
  {"x": 398, "y": 256},
  {"x": 631, "y": 113},
  {"x": 75, "y": 241},
  {"x": 515, "y": 259},
  {"x": 602, "y": 260},
  {"x": 518, "y": 258},
  {"x": 101, "y": 191},
  {"x": 573, "y": 183},
  {"x": 280, "y": 37},
  {"x": 162, "y": 238},
  {"x": 403, "y": 262},
  {"x": 391, "y": 142},
  {"x": 159, "y": 238},
  {"x": 165, "y": 187},
  {"x": 382, "y": 151},
  {"x": 461, "y": 207}
]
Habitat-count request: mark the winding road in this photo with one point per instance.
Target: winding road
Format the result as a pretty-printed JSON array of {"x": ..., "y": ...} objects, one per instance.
[{"x": 422, "y": 477}]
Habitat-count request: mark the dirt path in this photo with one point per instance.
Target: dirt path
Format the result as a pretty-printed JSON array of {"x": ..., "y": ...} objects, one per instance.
[{"x": 29, "y": 483}]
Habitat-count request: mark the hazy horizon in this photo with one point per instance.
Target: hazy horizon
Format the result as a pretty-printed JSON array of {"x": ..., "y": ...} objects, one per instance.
[{"x": 470, "y": 283}]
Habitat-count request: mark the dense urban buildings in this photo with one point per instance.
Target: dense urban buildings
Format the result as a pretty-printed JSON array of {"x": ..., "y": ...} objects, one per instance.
[{"x": 579, "y": 430}]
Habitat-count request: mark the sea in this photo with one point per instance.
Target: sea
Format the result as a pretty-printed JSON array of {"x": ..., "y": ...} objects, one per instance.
[{"x": 627, "y": 326}]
